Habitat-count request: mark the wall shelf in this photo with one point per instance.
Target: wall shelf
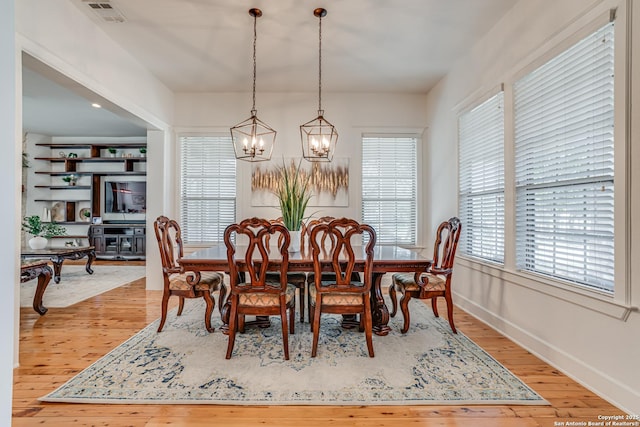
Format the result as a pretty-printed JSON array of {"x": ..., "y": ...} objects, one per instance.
[{"x": 92, "y": 164}]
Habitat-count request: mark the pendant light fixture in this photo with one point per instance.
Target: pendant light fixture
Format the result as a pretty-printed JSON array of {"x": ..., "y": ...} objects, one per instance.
[
  {"x": 319, "y": 137},
  {"x": 253, "y": 139}
]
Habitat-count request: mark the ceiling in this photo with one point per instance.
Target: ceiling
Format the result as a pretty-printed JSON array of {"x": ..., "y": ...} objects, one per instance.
[{"x": 399, "y": 46}]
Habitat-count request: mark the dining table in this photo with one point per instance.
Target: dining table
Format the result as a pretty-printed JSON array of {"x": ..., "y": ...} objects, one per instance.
[{"x": 386, "y": 259}]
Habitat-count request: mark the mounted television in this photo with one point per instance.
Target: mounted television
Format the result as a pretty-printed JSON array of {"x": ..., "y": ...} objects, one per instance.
[{"x": 123, "y": 200}]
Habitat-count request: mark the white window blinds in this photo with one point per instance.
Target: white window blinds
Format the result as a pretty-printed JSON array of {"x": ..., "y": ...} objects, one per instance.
[
  {"x": 564, "y": 164},
  {"x": 481, "y": 179},
  {"x": 207, "y": 188},
  {"x": 389, "y": 188}
]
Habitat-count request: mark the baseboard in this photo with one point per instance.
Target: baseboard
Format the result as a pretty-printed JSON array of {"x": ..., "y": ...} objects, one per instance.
[{"x": 596, "y": 381}]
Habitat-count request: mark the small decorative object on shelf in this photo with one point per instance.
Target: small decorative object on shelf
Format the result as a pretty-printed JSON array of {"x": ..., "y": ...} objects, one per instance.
[
  {"x": 41, "y": 231},
  {"x": 72, "y": 156},
  {"x": 143, "y": 152},
  {"x": 85, "y": 214},
  {"x": 112, "y": 151},
  {"x": 70, "y": 179},
  {"x": 72, "y": 243}
]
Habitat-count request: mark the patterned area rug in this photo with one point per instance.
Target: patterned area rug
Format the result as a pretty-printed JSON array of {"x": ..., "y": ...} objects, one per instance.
[
  {"x": 77, "y": 285},
  {"x": 185, "y": 364}
]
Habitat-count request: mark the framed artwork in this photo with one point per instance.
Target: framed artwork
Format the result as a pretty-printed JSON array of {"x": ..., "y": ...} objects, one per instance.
[{"x": 329, "y": 181}]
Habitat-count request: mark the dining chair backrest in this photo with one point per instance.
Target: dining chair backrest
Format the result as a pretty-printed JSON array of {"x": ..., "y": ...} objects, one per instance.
[
  {"x": 170, "y": 244},
  {"x": 327, "y": 241},
  {"x": 257, "y": 256},
  {"x": 342, "y": 257},
  {"x": 446, "y": 244}
]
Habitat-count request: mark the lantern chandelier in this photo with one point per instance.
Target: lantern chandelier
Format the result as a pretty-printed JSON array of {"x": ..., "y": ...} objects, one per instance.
[
  {"x": 253, "y": 139},
  {"x": 319, "y": 137}
]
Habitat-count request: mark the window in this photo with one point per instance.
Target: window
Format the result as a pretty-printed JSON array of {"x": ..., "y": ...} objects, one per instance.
[
  {"x": 481, "y": 179},
  {"x": 207, "y": 188},
  {"x": 564, "y": 166},
  {"x": 389, "y": 188}
]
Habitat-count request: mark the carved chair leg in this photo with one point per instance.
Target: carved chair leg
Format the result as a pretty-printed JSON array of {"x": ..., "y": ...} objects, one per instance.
[
  {"x": 180, "y": 305},
  {"x": 221, "y": 297},
  {"x": 240, "y": 323},
  {"x": 434, "y": 306},
  {"x": 301, "y": 299},
  {"x": 292, "y": 319},
  {"x": 233, "y": 326},
  {"x": 165, "y": 303},
  {"x": 394, "y": 299},
  {"x": 449, "y": 300},
  {"x": 316, "y": 327},
  {"x": 285, "y": 327},
  {"x": 309, "y": 303},
  {"x": 312, "y": 311},
  {"x": 208, "y": 311},
  {"x": 404, "y": 307},
  {"x": 368, "y": 326}
]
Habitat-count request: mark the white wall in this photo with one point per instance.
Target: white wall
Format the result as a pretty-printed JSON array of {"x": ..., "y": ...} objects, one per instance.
[
  {"x": 10, "y": 189},
  {"x": 57, "y": 33},
  {"x": 351, "y": 114},
  {"x": 593, "y": 341}
]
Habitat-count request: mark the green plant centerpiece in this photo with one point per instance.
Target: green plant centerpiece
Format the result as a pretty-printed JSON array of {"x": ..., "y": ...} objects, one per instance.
[
  {"x": 293, "y": 194},
  {"x": 41, "y": 231}
]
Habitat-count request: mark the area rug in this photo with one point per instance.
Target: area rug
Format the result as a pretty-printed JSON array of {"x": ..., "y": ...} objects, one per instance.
[
  {"x": 186, "y": 365},
  {"x": 77, "y": 285}
]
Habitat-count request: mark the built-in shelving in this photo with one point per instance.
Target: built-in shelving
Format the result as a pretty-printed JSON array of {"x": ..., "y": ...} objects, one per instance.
[{"x": 90, "y": 163}]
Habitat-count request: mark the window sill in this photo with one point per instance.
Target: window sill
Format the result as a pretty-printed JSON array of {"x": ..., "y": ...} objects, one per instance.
[{"x": 591, "y": 300}]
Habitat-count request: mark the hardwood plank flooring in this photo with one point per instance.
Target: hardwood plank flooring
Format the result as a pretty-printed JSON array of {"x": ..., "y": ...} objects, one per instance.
[{"x": 58, "y": 345}]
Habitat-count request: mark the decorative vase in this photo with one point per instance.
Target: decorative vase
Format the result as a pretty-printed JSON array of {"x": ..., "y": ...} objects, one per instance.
[
  {"x": 37, "y": 242},
  {"x": 294, "y": 244}
]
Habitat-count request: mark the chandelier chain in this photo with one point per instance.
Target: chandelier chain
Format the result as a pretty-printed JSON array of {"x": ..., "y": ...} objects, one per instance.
[
  {"x": 255, "y": 36},
  {"x": 320, "y": 64}
]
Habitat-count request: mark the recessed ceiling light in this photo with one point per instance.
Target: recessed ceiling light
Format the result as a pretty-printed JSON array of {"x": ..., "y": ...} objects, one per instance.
[{"x": 96, "y": 105}]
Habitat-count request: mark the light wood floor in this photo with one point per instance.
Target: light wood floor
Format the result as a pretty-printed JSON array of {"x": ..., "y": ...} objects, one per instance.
[{"x": 58, "y": 345}]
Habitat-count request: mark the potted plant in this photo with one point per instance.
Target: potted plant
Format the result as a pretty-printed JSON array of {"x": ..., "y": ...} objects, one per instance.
[
  {"x": 293, "y": 194},
  {"x": 41, "y": 231},
  {"x": 143, "y": 151},
  {"x": 112, "y": 151},
  {"x": 70, "y": 179}
]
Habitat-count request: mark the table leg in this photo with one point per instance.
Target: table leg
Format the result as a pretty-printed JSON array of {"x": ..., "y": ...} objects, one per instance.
[
  {"x": 43, "y": 281},
  {"x": 379, "y": 310},
  {"x": 57, "y": 268},
  {"x": 91, "y": 256}
]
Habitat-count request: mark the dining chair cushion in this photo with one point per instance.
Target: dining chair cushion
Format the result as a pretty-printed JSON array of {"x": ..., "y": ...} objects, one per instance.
[
  {"x": 337, "y": 298},
  {"x": 208, "y": 280},
  {"x": 262, "y": 299},
  {"x": 406, "y": 281}
]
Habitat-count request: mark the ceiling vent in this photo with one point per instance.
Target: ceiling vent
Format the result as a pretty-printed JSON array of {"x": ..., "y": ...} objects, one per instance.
[{"x": 105, "y": 10}]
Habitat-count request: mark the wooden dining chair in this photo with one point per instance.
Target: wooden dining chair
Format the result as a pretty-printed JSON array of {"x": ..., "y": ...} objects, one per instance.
[
  {"x": 255, "y": 295},
  {"x": 435, "y": 282},
  {"x": 296, "y": 278},
  {"x": 341, "y": 295},
  {"x": 178, "y": 282},
  {"x": 327, "y": 243}
]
